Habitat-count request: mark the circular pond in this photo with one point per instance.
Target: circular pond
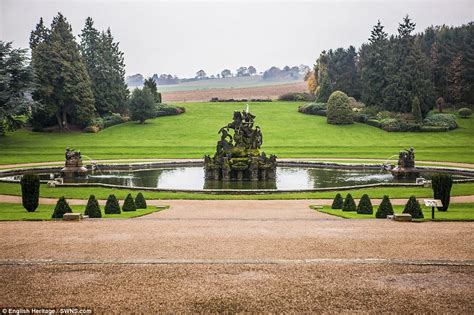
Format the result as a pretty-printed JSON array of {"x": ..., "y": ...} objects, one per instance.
[{"x": 190, "y": 177}]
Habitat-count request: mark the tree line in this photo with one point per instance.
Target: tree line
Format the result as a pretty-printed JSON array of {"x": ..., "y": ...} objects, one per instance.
[{"x": 394, "y": 72}]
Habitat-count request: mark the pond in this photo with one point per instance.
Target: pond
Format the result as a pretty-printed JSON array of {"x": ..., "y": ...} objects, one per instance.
[{"x": 192, "y": 178}]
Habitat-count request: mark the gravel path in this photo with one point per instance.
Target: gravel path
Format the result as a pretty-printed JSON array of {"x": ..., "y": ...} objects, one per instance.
[{"x": 256, "y": 256}]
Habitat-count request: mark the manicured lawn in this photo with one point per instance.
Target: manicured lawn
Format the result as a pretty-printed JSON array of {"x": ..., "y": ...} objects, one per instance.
[
  {"x": 16, "y": 212},
  {"x": 102, "y": 193},
  {"x": 460, "y": 211},
  {"x": 286, "y": 133}
]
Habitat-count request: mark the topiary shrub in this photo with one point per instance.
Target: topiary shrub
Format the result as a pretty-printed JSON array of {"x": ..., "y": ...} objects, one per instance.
[
  {"x": 129, "y": 204},
  {"x": 416, "y": 109},
  {"x": 349, "y": 204},
  {"x": 413, "y": 207},
  {"x": 61, "y": 208},
  {"x": 365, "y": 205},
  {"x": 442, "y": 184},
  {"x": 464, "y": 112},
  {"x": 338, "y": 202},
  {"x": 93, "y": 208},
  {"x": 385, "y": 208},
  {"x": 339, "y": 112},
  {"x": 314, "y": 109},
  {"x": 441, "y": 120},
  {"x": 30, "y": 188},
  {"x": 140, "y": 201},
  {"x": 112, "y": 205}
]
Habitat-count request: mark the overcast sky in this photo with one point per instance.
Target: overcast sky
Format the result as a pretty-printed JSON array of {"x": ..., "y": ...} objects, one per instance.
[{"x": 181, "y": 37}]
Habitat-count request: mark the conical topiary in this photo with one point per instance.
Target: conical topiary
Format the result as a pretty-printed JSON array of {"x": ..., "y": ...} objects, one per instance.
[
  {"x": 112, "y": 205},
  {"x": 338, "y": 202},
  {"x": 413, "y": 207},
  {"x": 93, "y": 208},
  {"x": 349, "y": 204},
  {"x": 61, "y": 208},
  {"x": 365, "y": 205},
  {"x": 140, "y": 201},
  {"x": 129, "y": 204},
  {"x": 385, "y": 208}
]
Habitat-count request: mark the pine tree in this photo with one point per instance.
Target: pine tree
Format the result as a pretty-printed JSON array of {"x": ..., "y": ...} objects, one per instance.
[
  {"x": 63, "y": 85},
  {"x": 337, "y": 202},
  {"x": 112, "y": 205},
  {"x": 142, "y": 105},
  {"x": 61, "y": 208},
  {"x": 140, "y": 201},
  {"x": 413, "y": 207},
  {"x": 93, "y": 208},
  {"x": 349, "y": 204},
  {"x": 385, "y": 208},
  {"x": 365, "y": 205},
  {"x": 151, "y": 85},
  {"x": 129, "y": 204},
  {"x": 324, "y": 83}
]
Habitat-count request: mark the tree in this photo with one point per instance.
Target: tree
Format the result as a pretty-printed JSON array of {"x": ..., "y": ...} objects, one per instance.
[
  {"x": 106, "y": 68},
  {"x": 442, "y": 184},
  {"x": 151, "y": 85},
  {"x": 349, "y": 204},
  {"x": 62, "y": 84},
  {"x": 61, "y": 208},
  {"x": 140, "y": 201},
  {"x": 112, "y": 205},
  {"x": 365, "y": 205},
  {"x": 142, "y": 105},
  {"x": 342, "y": 70},
  {"x": 385, "y": 208},
  {"x": 92, "y": 208},
  {"x": 15, "y": 81},
  {"x": 242, "y": 72},
  {"x": 226, "y": 73},
  {"x": 325, "y": 87},
  {"x": 413, "y": 207},
  {"x": 251, "y": 70},
  {"x": 201, "y": 74},
  {"x": 129, "y": 204},
  {"x": 337, "y": 202},
  {"x": 338, "y": 110},
  {"x": 311, "y": 82},
  {"x": 30, "y": 189}
]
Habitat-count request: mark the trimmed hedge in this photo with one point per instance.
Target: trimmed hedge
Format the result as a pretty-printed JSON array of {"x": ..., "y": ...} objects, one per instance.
[
  {"x": 296, "y": 97},
  {"x": 413, "y": 207},
  {"x": 61, "y": 208},
  {"x": 442, "y": 184},
  {"x": 385, "y": 208},
  {"x": 338, "y": 202},
  {"x": 112, "y": 205},
  {"x": 365, "y": 205},
  {"x": 339, "y": 112},
  {"x": 129, "y": 204},
  {"x": 441, "y": 120},
  {"x": 319, "y": 109},
  {"x": 349, "y": 204},
  {"x": 93, "y": 208},
  {"x": 163, "y": 109},
  {"x": 140, "y": 201},
  {"x": 464, "y": 112},
  {"x": 30, "y": 190}
]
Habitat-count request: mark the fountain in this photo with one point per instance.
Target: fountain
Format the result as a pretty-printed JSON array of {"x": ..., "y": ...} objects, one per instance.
[
  {"x": 73, "y": 166},
  {"x": 406, "y": 165},
  {"x": 238, "y": 156}
]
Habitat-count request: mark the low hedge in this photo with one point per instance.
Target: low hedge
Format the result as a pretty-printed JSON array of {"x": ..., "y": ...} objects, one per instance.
[
  {"x": 319, "y": 109},
  {"x": 441, "y": 120},
  {"x": 168, "y": 110},
  {"x": 296, "y": 97},
  {"x": 464, "y": 112}
]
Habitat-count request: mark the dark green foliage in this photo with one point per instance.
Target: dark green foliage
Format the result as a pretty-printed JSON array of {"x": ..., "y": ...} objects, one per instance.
[
  {"x": 314, "y": 109},
  {"x": 296, "y": 97},
  {"x": 413, "y": 207},
  {"x": 337, "y": 202},
  {"x": 140, "y": 201},
  {"x": 129, "y": 204},
  {"x": 151, "y": 84},
  {"x": 464, "y": 112},
  {"x": 349, "y": 204},
  {"x": 142, "y": 105},
  {"x": 61, "y": 208},
  {"x": 325, "y": 87},
  {"x": 339, "y": 112},
  {"x": 162, "y": 109},
  {"x": 62, "y": 83},
  {"x": 112, "y": 205},
  {"x": 416, "y": 110},
  {"x": 93, "y": 208},
  {"x": 385, "y": 208},
  {"x": 441, "y": 120},
  {"x": 30, "y": 189},
  {"x": 15, "y": 80},
  {"x": 365, "y": 205},
  {"x": 442, "y": 184}
]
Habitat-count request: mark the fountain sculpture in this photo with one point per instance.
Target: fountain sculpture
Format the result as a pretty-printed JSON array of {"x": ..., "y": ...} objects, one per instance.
[
  {"x": 73, "y": 166},
  {"x": 406, "y": 165},
  {"x": 238, "y": 155}
]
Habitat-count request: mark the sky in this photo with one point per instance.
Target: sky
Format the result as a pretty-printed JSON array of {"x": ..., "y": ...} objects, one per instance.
[{"x": 182, "y": 37}]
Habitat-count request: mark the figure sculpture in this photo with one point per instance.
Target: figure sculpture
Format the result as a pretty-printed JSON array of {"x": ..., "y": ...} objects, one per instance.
[
  {"x": 406, "y": 165},
  {"x": 73, "y": 166}
]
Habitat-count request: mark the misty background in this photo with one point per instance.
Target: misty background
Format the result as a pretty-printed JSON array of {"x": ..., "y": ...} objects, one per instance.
[{"x": 182, "y": 37}]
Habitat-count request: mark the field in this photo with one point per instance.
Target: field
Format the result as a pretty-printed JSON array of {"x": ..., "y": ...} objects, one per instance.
[
  {"x": 286, "y": 133},
  {"x": 260, "y": 91}
]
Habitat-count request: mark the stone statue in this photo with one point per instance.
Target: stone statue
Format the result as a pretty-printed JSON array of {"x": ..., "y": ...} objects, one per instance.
[
  {"x": 73, "y": 166},
  {"x": 406, "y": 165}
]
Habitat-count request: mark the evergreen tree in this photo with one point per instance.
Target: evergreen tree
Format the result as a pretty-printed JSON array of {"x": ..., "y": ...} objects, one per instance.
[
  {"x": 93, "y": 208},
  {"x": 416, "y": 110},
  {"x": 30, "y": 189},
  {"x": 365, "y": 205},
  {"x": 324, "y": 83},
  {"x": 349, "y": 204},
  {"x": 112, "y": 205},
  {"x": 63, "y": 86},
  {"x": 151, "y": 85},
  {"x": 140, "y": 201},
  {"x": 342, "y": 70},
  {"x": 442, "y": 184},
  {"x": 129, "y": 204},
  {"x": 142, "y": 105},
  {"x": 15, "y": 80},
  {"x": 337, "y": 202},
  {"x": 385, "y": 208},
  {"x": 61, "y": 208},
  {"x": 413, "y": 207}
]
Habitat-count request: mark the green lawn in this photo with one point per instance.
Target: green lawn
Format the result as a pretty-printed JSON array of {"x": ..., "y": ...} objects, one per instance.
[
  {"x": 460, "y": 211},
  {"x": 16, "y": 212},
  {"x": 102, "y": 193},
  {"x": 286, "y": 132}
]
